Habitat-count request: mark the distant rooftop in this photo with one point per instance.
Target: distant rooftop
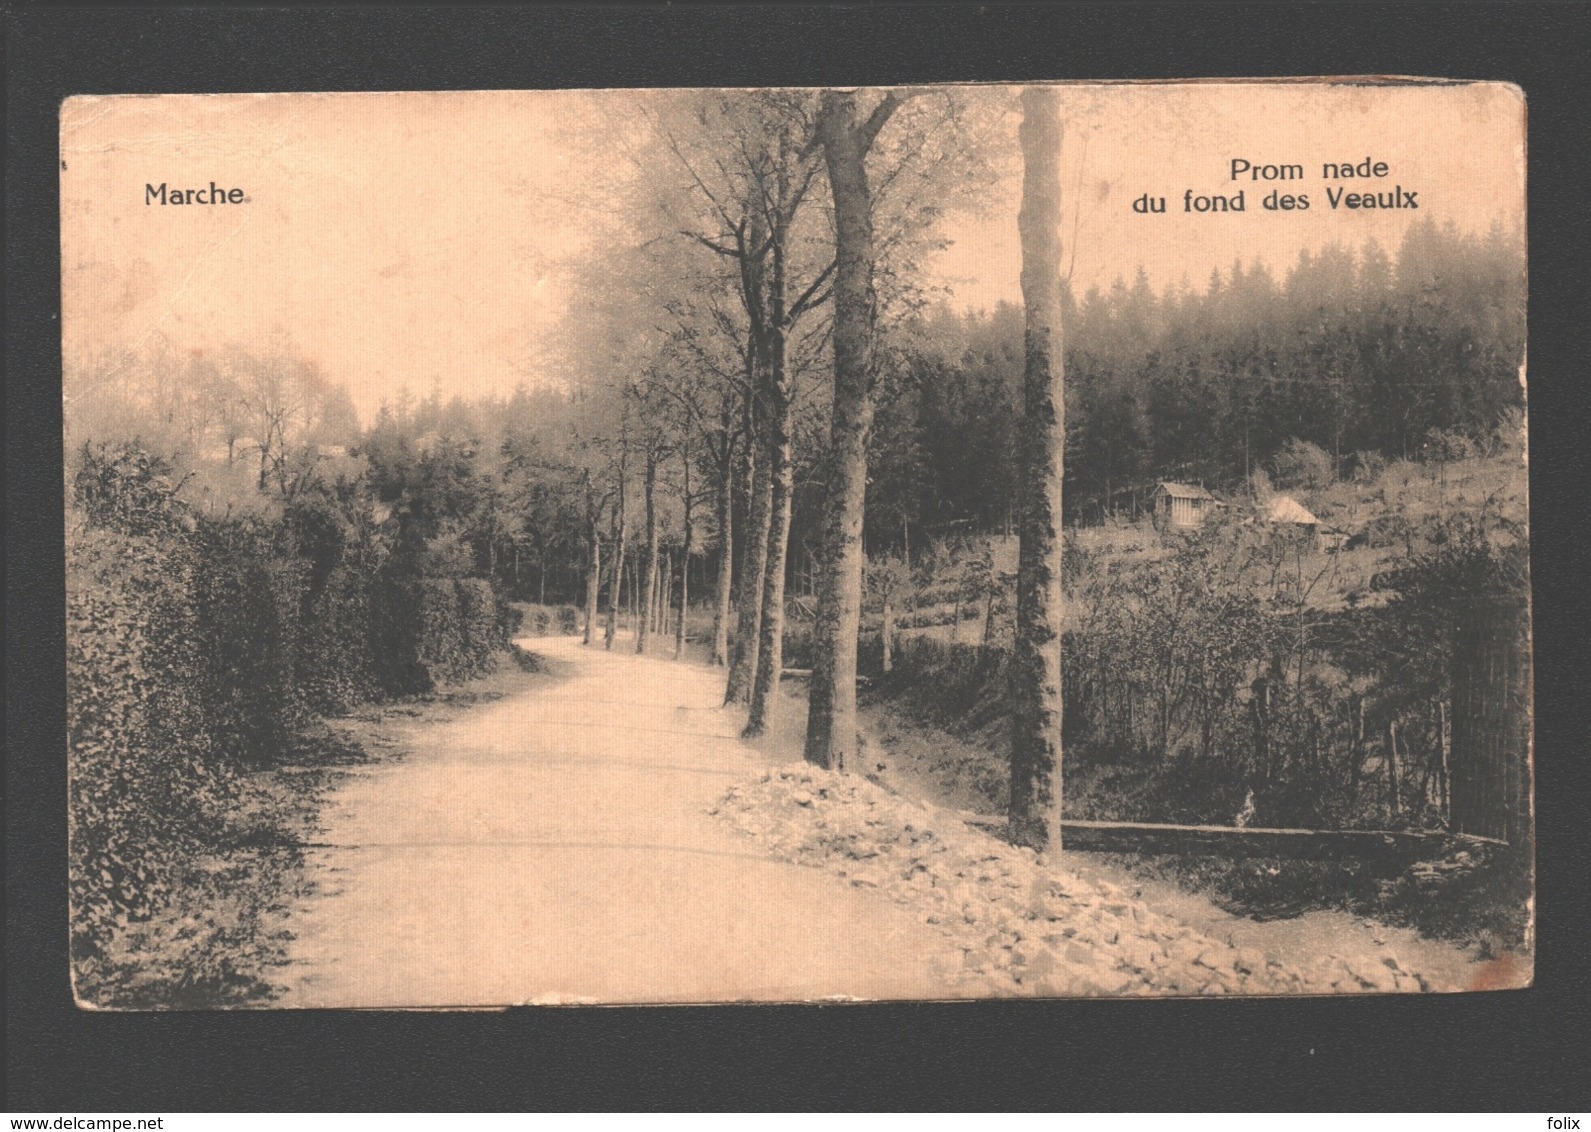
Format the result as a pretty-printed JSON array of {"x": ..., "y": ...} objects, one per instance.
[
  {"x": 1286, "y": 509},
  {"x": 1185, "y": 491}
]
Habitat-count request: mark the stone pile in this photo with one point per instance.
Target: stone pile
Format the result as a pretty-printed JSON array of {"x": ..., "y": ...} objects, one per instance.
[{"x": 1023, "y": 927}]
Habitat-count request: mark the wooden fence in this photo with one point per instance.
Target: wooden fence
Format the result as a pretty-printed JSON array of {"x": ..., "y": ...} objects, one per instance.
[{"x": 1491, "y": 721}]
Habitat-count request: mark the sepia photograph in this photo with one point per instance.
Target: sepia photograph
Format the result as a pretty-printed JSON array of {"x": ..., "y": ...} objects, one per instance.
[{"x": 789, "y": 545}]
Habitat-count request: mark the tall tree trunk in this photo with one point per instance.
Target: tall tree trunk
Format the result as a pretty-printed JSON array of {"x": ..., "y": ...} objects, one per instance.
[
  {"x": 723, "y": 599},
  {"x": 665, "y": 592},
  {"x": 685, "y": 566},
  {"x": 781, "y": 406},
  {"x": 831, "y": 717},
  {"x": 651, "y": 586},
  {"x": 649, "y": 590},
  {"x": 1035, "y": 818},
  {"x": 1445, "y": 742},
  {"x": 654, "y": 582},
  {"x": 593, "y": 575},
  {"x": 1394, "y": 778},
  {"x": 617, "y": 575},
  {"x": 621, "y": 521},
  {"x": 635, "y": 593},
  {"x": 747, "y": 640},
  {"x": 887, "y": 630}
]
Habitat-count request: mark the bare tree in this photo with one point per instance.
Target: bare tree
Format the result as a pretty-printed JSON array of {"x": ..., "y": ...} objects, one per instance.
[
  {"x": 685, "y": 551},
  {"x": 936, "y": 159},
  {"x": 724, "y": 460},
  {"x": 594, "y": 555},
  {"x": 747, "y": 639},
  {"x": 714, "y": 347},
  {"x": 889, "y": 577},
  {"x": 749, "y": 172},
  {"x": 783, "y": 192},
  {"x": 619, "y": 534},
  {"x": 653, "y": 452},
  {"x": 831, "y": 719}
]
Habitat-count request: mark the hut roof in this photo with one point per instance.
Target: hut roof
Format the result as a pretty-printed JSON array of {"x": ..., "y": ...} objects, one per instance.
[
  {"x": 1286, "y": 509},
  {"x": 1185, "y": 491}
]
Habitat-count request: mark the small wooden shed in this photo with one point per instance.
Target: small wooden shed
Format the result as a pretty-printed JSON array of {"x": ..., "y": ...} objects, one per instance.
[{"x": 1181, "y": 504}]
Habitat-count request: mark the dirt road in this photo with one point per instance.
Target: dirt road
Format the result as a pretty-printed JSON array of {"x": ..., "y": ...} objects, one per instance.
[{"x": 556, "y": 846}]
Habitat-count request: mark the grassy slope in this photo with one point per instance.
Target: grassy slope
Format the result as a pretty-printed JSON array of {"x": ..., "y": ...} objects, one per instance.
[{"x": 923, "y": 743}]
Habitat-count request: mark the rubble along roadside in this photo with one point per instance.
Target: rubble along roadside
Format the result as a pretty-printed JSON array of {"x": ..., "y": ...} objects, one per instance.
[{"x": 1024, "y": 927}]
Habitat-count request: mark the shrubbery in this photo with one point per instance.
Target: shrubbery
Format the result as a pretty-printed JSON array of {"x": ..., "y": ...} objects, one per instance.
[
  {"x": 950, "y": 685},
  {"x": 457, "y": 628},
  {"x": 534, "y": 620},
  {"x": 1200, "y": 682},
  {"x": 1302, "y": 465},
  {"x": 336, "y": 663},
  {"x": 246, "y": 595},
  {"x": 148, "y": 788},
  {"x": 198, "y": 648}
]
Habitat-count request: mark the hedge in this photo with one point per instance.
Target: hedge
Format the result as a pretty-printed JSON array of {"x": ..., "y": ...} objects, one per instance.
[
  {"x": 246, "y": 595},
  {"x": 148, "y": 789},
  {"x": 456, "y": 630},
  {"x": 528, "y": 619},
  {"x": 197, "y": 650}
]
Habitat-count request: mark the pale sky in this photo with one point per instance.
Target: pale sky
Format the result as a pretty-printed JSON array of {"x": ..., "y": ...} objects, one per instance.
[{"x": 416, "y": 239}]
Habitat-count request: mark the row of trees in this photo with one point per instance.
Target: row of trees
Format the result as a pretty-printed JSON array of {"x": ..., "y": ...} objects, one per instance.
[
  {"x": 265, "y": 412},
  {"x": 769, "y": 296},
  {"x": 769, "y": 237}
]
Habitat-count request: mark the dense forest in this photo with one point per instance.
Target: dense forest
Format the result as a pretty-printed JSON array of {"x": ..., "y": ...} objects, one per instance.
[{"x": 1353, "y": 352}]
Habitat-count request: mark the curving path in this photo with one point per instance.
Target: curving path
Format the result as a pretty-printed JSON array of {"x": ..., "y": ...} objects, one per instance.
[{"x": 556, "y": 846}]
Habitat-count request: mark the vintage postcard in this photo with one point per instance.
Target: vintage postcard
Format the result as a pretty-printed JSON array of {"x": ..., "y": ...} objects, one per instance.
[{"x": 789, "y": 545}]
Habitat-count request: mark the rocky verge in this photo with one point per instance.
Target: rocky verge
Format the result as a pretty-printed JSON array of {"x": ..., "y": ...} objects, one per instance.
[{"x": 1024, "y": 926}]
